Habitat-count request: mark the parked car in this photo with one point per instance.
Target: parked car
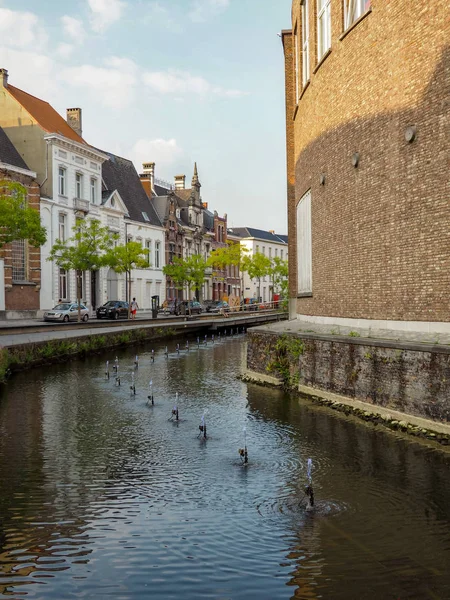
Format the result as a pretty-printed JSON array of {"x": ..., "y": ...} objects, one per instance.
[
  {"x": 220, "y": 306},
  {"x": 194, "y": 306},
  {"x": 210, "y": 305},
  {"x": 113, "y": 309},
  {"x": 66, "y": 311}
]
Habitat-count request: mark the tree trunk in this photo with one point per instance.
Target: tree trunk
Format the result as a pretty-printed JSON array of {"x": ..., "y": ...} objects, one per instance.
[
  {"x": 79, "y": 276},
  {"x": 129, "y": 293}
]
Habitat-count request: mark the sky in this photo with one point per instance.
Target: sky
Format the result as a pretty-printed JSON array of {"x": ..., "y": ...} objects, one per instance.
[{"x": 168, "y": 81}]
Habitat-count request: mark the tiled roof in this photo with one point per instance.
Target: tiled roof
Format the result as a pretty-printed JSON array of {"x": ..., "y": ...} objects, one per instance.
[
  {"x": 159, "y": 190},
  {"x": 119, "y": 174},
  {"x": 45, "y": 115},
  {"x": 8, "y": 153},
  {"x": 183, "y": 194},
  {"x": 259, "y": 234},
  {"x": 161, "y": 206}
]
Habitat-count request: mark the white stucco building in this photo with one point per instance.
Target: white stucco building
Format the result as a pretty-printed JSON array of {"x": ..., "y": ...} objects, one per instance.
[{"x": 266, "y": 242}]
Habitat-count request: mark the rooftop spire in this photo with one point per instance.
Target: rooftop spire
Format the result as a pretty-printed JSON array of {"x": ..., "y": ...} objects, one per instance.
[{"x": 195, "y": 180}]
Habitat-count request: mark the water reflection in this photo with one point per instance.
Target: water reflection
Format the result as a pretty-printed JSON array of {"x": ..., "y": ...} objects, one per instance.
[{"x": 101, "y": 494}]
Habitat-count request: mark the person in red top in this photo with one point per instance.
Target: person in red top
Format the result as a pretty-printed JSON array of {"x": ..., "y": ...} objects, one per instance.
[{"x": 134, "y": 307}]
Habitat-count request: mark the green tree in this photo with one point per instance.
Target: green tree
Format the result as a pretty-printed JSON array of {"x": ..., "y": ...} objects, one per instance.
[
  {"x": 226, "y": 256},
  {"x": 86, "y": 250},
  {"x": 17, "y": 220},
  {"x": 278, "y": 274},
  {"x": 189, "y": 272},
  {"x": 257, "y": 266},
  {"x": 123, "y": 259}
]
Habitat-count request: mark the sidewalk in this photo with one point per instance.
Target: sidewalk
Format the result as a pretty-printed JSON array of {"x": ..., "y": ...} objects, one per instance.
[{"x": 297, "y": 326}]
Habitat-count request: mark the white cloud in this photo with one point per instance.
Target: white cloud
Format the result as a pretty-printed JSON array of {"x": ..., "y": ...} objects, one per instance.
[
  {"x": 64, "y": 50},
  {"x": 113, "y": 85},
  {"x": 203, "y": 10},
  {"x": 73, "y": 28},
  {"x": 32, "y": 72},
  {"x": 165, "y": 153},
  {"x": 159, "y": 15},
  {"x": 104, "y": 13},
  {"x": 21, "y": 29},
  {"x": 181, "y": 82}
]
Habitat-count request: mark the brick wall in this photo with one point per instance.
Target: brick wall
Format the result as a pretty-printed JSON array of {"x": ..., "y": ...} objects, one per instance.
[
  {"x": 381, "y": 231},
  {"x": 23, "y": 296}
]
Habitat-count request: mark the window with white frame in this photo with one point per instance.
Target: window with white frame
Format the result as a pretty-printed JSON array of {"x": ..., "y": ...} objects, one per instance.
[
  {"x": 304, "y": 245},
  {"x": 62, "y": 227},
  {"x": 93, "y": 190},
  {"x": 62, "y": 181},
  {"x": 297, "y": 67},
  {"x": 78, "y": 185},
  {"x": 323, "y": 27},
  {"x": 257, "y": 247},
  {"x": 19, "y": 260},
  {"x": 281, "y": 254},
  {"x": 63, "y": 284},
  {"x": 157, "y": 255},
  {"x": 305, "y": 42},
  {"x": 148, "y": 247},
  {"x": 353, "y": 9},
  {"x": 276, "y": 252}
]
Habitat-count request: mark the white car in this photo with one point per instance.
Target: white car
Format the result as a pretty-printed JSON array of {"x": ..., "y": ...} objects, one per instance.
[{"x": 66, "y": 311}]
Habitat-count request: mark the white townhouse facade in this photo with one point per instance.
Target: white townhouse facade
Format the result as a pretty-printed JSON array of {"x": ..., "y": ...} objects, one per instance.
[{"x": 267, "y": 243}]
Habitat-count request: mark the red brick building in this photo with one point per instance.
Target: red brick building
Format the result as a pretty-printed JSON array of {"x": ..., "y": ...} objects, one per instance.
[
  {"x": 20, "y": 263},
  {"x": 367, "y": 88}
]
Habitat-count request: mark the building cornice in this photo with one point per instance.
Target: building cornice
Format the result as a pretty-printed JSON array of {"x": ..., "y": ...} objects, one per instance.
[{"x": 83, "y": 149}]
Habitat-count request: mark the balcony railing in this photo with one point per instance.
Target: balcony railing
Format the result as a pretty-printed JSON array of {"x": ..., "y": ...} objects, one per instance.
[{"x": 80, "y": 204}]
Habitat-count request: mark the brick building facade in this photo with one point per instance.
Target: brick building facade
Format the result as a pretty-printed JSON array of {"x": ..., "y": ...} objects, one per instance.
[
  {"x": 20, "y": 261},
  {"x": 368, "y": 187}
]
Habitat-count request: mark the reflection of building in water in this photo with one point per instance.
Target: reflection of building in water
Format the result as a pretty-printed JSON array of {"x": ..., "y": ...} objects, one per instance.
[{"x": 308, "y": 557}]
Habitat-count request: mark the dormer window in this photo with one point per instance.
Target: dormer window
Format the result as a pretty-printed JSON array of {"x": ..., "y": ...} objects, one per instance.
[
  {"x": 145, "y": 216},
  {"x": 113, "y": 202},
  {"x": 178, "y": 213}
]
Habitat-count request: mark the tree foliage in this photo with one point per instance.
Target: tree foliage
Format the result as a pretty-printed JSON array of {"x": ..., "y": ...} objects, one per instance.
[
  {"x": 86, "y": 250},
  {"x": 125, "y": 258},
  {"x": 257, "y": 267},
  {"x": 187, "y": 272},
  {"x": 17, "y": 220},
  {"x": 279, "y": 276}
]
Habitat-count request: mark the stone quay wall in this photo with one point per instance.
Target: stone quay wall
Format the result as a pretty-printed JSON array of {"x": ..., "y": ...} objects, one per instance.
[{"x": 413, "y": 379}]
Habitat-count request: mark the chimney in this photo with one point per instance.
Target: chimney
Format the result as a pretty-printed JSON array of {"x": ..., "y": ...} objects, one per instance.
[
  {"x": 4, "y": 77},
  {"x": 73, "y": 117},
  {"x": 272, "y": 231},
  {"x": 180, "y": 182},
  {"x": 149, "y": 171}
]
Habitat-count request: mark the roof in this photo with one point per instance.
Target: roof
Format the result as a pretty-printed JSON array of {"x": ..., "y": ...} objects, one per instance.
[
  {"x": 183, "y": 193},
  {"x": 44, "y": 114},
  {"x": 8, "y": 153},
  {"x": 160, "y": 190},
  {"x": 119, "y": 174},
  {"x": 259, "y": 234}
]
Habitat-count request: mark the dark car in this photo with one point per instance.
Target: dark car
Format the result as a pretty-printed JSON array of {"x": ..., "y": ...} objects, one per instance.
[
  {"x": 194, "y": 307},
  {"x": 113, "y": 309}
]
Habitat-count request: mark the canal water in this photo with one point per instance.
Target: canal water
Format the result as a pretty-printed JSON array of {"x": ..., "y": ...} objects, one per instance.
[{"x": 102, "y": 496}]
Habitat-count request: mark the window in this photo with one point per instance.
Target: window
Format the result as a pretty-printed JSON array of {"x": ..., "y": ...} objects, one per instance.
[
  {"x": 257, "y": 248},
  {"x": 145, "y": 215},
  {"x": 62, "y": 284},
  {"x": 93, "y": 190},
  {"x": 270, "y": 252},
  {"x": 19, "y": 260},
  {"x": 296, "y": 66},
  {"x": 353, "y": 9},
  {"x": 78, "y": 185},
  {"x": 323, "y": 27},
  {"x": 61, "y": 181},
  {"x": 148, "y": 247},
  {"x": 305, "y": 42},
  {"x": 62, "y": 227},
  {"x": 304, "y": 247},
  {"x": 281, "y": 254},
  {"x": 264, "y": 250},
  {"x": 276, "y": 252}
]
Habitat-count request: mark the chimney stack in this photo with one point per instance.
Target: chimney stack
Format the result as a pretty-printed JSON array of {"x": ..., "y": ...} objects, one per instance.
[
  {"x": 180, "y": 182},
  {"x": 73, "y": 118},
  {"x": 272, "y": 231},
  {"x": 4, "y": 77},
  {"x": 149, "y": 171}
]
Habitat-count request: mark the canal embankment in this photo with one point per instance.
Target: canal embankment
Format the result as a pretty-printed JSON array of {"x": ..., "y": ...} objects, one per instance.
[
  {"x": 26, "y": 345},
  {"x": 401, "y": 382}
]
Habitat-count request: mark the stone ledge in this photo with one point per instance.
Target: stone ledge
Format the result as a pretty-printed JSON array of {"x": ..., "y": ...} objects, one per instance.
[
  {"x": 390, "y": 418},
  {"x": 254, "y": 377}
]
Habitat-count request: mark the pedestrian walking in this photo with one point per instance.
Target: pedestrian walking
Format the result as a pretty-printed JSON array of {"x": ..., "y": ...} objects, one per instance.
[{"x": 134, "y": 307}]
